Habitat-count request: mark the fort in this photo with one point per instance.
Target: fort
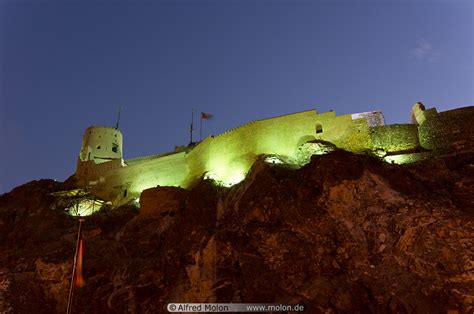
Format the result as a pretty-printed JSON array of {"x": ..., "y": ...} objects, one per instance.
[{"x": 289, "y": 139}]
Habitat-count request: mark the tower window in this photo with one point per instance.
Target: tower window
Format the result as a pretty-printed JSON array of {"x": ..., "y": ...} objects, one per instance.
[
  {"x": 115, "y": 148},
  {"x": 98, "y": 146},
  {"x": 319, "y": 128},
  {"x": 125, "y": 193}
]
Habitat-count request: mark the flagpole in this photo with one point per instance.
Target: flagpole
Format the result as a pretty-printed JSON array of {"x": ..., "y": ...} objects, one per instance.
[
  {"x": 191, "y": 129},
  {"x": 71, "y": 289}
]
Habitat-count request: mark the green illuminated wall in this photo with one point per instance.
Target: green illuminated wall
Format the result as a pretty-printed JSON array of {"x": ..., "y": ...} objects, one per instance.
[
  {"x": 345, "y": 133},
  {"x": 448, "y": 129},
  {"x": 228, "y": 157},
  {"x": 129, "y": 181},
  {"x": 225, "y": 158},
  {"x": 395, "y": 137}
]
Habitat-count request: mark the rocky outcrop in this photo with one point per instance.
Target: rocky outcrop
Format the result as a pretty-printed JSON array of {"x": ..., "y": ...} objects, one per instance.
[
  {"x": 345, "y": 233},
  {"x": 162, "y": 201}
]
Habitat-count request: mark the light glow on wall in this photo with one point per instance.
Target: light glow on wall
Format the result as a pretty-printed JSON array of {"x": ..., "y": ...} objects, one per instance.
[
  {"x": 226, "y": 173},
  {"x": 85, "y": 207},
  {"x": 405, "y": 158},
  {"x": 273, "y": 160}
]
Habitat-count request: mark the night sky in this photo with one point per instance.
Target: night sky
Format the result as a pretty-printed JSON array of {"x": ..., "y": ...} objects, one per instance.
[{"x": 66, "y": 65}]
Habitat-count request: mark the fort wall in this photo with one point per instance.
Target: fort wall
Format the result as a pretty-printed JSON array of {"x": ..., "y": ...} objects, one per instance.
[
  {"x": 447, "y": 129},
  {"x": 124, "y": 183},
  {"x": 344, "y": 132},
  {"x": 90, "y": 171},
  {"x": 228, "y": 157},
  {"x": 395, "y": 138},
  {"x": 170, "y": 170}
]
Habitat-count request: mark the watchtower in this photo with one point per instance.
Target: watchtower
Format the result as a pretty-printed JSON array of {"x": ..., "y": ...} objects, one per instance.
[{"x": 101, "y": 144}]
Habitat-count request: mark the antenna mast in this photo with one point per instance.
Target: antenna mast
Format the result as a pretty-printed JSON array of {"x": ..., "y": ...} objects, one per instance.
[
  {"x": 118, "y": 117},
  {"x": 191, "y": 129}
]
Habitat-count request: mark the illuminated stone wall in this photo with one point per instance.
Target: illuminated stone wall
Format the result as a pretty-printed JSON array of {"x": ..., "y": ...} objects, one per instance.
[
  {"x": 227, "y": 157},
  {"x": 447, "y": 130},
  {"x": 89, "y": 171},
  {"x": 345, "y": 133},
  {"x": 169, "y": 170},
  {"x": 395, "y": 138},
  {"x": 127, "y": 182}
]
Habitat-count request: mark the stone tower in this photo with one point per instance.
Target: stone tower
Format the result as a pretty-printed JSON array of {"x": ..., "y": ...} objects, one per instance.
[{"x": 101, "y": 144}]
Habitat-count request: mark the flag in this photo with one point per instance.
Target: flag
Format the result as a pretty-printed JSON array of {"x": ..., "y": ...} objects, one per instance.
[
  {"x": 206, "y": 116},
  {"x": 79, "y": 280}
]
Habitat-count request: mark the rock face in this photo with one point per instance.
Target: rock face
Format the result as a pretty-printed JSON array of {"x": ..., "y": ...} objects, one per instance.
[{"x": 346, "y": 233}]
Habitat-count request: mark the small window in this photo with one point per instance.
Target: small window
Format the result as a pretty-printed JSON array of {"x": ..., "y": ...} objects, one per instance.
[
  {"x": 125, "y": 193},
  {"x": 319, "y": 128},
  {"x": 115, "y": 148},
  {"x": 98, "y": 146}
]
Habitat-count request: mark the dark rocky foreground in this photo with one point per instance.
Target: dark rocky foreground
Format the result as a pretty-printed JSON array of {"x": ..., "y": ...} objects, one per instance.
[{"x": 346, "y": 233}]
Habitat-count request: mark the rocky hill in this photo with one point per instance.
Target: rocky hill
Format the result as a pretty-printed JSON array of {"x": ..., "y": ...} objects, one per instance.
[{"x": 346, "y": 233}]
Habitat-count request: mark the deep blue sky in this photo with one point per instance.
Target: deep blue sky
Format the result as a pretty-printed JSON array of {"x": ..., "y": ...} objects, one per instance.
[{"x": 65, "y": 65}]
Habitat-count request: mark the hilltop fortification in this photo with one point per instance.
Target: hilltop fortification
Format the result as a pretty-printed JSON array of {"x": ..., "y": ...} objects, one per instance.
[{"x": 289, "y": 139}]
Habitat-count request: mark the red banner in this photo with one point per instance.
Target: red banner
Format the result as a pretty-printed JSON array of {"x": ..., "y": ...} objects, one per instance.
[{"x": 79, "y": 280}]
